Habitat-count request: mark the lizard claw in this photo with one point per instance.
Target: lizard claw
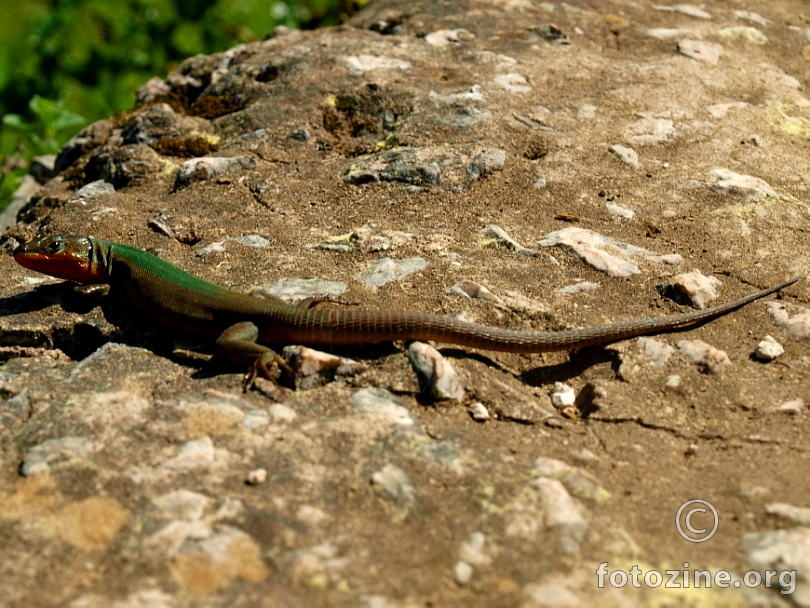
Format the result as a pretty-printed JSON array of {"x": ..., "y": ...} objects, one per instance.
[{"x": 263, "y": 366}]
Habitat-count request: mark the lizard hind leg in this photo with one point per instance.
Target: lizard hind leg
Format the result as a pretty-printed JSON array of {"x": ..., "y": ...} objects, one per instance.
[{"x": 238, "y": 343}]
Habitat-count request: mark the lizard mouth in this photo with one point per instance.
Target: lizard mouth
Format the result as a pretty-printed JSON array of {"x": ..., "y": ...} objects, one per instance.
[{"x": 67, "y": 258}]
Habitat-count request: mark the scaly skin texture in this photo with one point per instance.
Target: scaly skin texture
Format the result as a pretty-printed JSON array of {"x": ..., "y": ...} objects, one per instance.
[{"x": 182, "y": 300}]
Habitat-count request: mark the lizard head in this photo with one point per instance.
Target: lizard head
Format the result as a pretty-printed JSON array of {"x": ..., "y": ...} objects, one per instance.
[{"x": 65, "y": 257}]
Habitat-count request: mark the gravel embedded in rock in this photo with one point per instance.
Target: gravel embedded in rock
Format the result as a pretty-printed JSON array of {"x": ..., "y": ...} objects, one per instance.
[
  {"x": 94, "y": 189},
  {"x": 386, "y": 270},
  {"x": 462, "y": 572},
  {"x": 256, "y": 477},
  {"x": 395, "y": 482},
  {"x": 798, "y": 515},
  {"x": 513, "y": 83},
  {"x": 359, "y": 64},
  {"x": 551, "y": 594},
  {"x": 665, "y": 33},
  {"x": 582, "y": 286},
  {"x": 627, "y": 155},
  {"x": 650, "y": 130},
  {"x": 472, "y": 94},
  {"x": 769, "y": 349},
  {"x": 658, "y": 352},
  {"x": 729, "y": 182},
  {"x": 489, "y": 161},
  {"x": 563, "y": 396},
  {"x": 301, "y": 133},
  {"x": 495, "y": 234},
  {"x": 437, "y": 377},
  {"x": 313, "y": 368},
  {"x": 204, "y": 566},
  {"x": 472, "y": 550},
  {"x": 697, "y": 287},
  {"x": 40, "y": 457},
  {"x": 255, "y": 419},
  {"x": 750, "y": 16},
  {"x": 720, "y": 110},
  {"x": 478, "y": 412},
  {"x": 577, "y": 481},
  {"x": 702, "y": 51},
  {"x": 561, "y": 513},
  {"x": 451, "y": 167},
  {"x": 201, "y": 169},
  {"x": 795, "y": 406},
  {"x": 281, "y": 413},
  {"x": 209, "y": 417},
  {"x": 182, "y": 504},
  {"x": 442, "y": 38},
  {"x": 710, "y": 359},
  {"x": 620, "y": 211},
  {"x": 797, "y": 325},
  {"x": 684, "y": 9},
  {"x": 745, "y": 32},
  {"x": 252, "y": 240},
  {"x": 786, "y": 552},
  {"x": 382, "y": 403},
  {"x": 602, "y": 252},
  {"x": 472, "y": 290},
  {"x": 552, "y": 34},
  {"x": 193, "y": 454}
]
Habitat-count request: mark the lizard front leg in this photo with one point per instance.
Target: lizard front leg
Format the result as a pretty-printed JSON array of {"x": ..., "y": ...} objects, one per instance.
[
  {"x": 93, "y": 290},
  {"x": 238, "y": 343}
]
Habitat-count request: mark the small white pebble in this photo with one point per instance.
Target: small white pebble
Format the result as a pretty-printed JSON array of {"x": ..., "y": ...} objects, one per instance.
[
  {"x": 658, "y": 352},
  {"x": 584, "y": 455},
  {"x": 799, "y": 515},
  {"x": 437, "y": 376},
  {"x": 578, "y": 287},
  {"x": 795, "y": 406},
  {"x": 562, "y": 396},
  {"x": 256, "y": 477},
  {"x": 674, "y": 382},
  {"x": 462, "y": 572},
  {"x": 769, "y": 349},
  {"x": 479, "y": 412},
  {"x": 620, "y": 211},
  {"x": 281, "y": 413},
  {"x": 711, "y": 360},
  {"x": 752, "y": 491},
  {"x": 472, "y": 551},
  {"x": 691, "y": 449},
  {"x": 627, "y": 155},
  {"x": 699, "y": 288}
]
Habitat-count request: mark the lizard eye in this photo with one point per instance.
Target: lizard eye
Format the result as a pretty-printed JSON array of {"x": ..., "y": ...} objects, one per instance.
[{"x": 53, "y": 246}]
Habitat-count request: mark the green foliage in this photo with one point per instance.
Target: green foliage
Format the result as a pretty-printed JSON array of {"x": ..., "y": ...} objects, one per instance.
[
  {"x": 51, "y": 124},
  {"x": 61, "y": 60}
]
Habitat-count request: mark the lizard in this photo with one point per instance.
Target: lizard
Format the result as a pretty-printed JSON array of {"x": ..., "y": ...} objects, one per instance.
[{"x": 243, "y": 325}]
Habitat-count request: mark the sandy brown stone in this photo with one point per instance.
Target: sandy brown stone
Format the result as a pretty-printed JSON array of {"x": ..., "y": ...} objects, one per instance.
[{"x": 404, "y": 134}]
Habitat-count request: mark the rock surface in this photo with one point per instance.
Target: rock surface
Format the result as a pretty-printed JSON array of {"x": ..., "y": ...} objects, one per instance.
[{"x": 134, "y": 470}]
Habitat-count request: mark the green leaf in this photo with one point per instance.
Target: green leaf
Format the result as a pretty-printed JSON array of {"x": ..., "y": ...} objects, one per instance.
[{"x": 15, "y": 121}]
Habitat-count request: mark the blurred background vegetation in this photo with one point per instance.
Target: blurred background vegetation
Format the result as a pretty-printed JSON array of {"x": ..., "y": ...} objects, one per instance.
[{"x": 67, "y": 63}]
